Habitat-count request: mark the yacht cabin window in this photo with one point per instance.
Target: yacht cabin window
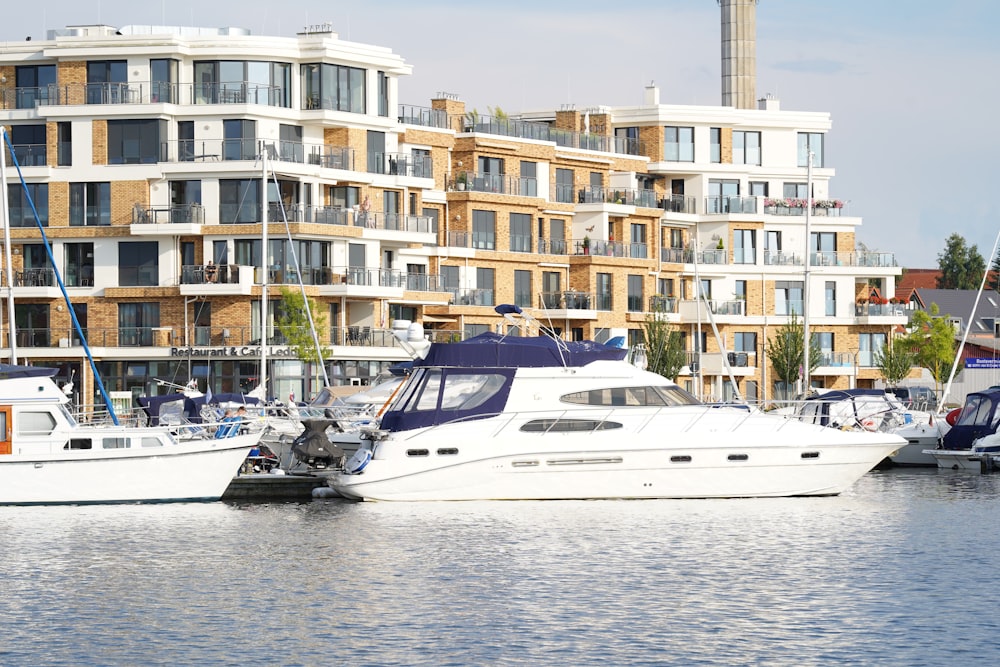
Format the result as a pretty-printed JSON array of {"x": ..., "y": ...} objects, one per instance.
[
  {"x": 35, "y": 423},
  {"x": 632, "y": 396}
]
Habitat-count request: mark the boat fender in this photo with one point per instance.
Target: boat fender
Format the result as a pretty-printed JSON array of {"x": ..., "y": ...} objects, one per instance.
[
  {"x": 359, "y": 461},
  {"x": 324, "y": 492}
]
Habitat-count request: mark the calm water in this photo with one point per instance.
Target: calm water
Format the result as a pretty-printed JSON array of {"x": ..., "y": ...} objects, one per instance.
[{"x": 900, "y": 570}]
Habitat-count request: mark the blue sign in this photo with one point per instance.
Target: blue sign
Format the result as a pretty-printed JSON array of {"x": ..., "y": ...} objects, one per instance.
[{"x": 982, "y": 362}]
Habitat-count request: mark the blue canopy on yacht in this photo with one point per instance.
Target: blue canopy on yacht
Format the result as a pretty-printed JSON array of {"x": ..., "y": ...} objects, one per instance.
[
  {"x": 490, "y": 350},
  {"x": 979, "y": 417},
  {"x": 8, "y": 371}
]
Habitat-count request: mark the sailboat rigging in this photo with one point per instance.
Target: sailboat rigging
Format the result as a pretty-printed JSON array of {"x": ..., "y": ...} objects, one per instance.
[{"x": 55, "y": 270}]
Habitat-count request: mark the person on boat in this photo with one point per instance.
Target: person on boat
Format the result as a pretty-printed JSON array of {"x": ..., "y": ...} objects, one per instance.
[
  {"x": 228, "y": 426},
  {"x": 240, "y": 420}
]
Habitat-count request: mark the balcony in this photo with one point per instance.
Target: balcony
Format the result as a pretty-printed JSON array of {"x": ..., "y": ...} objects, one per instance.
[
  {"x": 422, "y": 116},
  {"x": 400, "y": 164},
  {"x": 618, "y": 196},
  {"x": 167, "y": 220},
  {"x": 325, "y": 156},
  {"x": 599, "y": 248},
  {"x": 792, "y": 206},
  {"x": 148, "y": 92},
  {"x": 28, "y": 155},
  {"x": 539, "y": 131},
  {"x": 719, "y": 205}
]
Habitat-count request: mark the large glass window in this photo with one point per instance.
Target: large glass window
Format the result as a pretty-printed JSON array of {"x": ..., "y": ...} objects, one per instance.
[
  {"x": 564, "y": 185},
  {"x": 239, "y": 139},
  {"x": 162, "y": 80},
  {"x": 35, "y": 84},
  {"x": 239, "y": 201},
  {"x": 136, "y": 322},
  {"x": 715, "y": 142},
  {"x": 603, "y": 284},
  {"x": 746, "y": 147},
  {"x": 20, "y": 202},
  {"x": 79, "y": 263},
  {"x": 333, "y": 87},
  {"x": 529, "y": 181},
  {"x": 138, "y": 264},
  {"x": 242, "y": 82},
  {"x": 811, "y": 141},
  {"x": 678, "y": 144},
  {"x": 794, "y": 190},
  {"x": 484, "y": 230},
  {"x": 135, "y": 141},
  {"x": 788, "y": 297},
  {"x": 520, "y": 232},
  {"x": 868, "y": 344},
  {"x": 107, "y": 82},
  {"x": 522, "y": 288},
  {"x": 485, "y": 285},
  {"x": 723, "y": 195},
  {"x": 635, "y": 304},
  {"x": 744, "y": 246},
  {"x": 29, "y": 145},
  {"x": 185, "y": 202},
  {"x": 32, "y": 323},
  {"x": 89, "y": 204}
]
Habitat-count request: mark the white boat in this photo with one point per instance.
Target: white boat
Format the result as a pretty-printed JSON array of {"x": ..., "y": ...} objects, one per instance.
[
  {"x": 973, "y": 434},
  {"x": 48, "y": 457},
  {"x": 504, "y": 418},
  {"x": 877, "y": 410}
]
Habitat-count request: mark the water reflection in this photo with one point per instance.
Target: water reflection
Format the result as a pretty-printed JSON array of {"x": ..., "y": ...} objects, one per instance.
[{"x": 807, "y": 581}]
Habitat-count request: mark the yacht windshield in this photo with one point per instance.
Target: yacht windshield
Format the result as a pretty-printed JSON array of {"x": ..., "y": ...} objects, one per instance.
[{"x": 632, "y": 396}]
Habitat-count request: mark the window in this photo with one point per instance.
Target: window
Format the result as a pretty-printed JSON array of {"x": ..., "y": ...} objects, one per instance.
[
  {"x": 138, "y": 264},
  {"x": 824, "y": 248},
  {"x": 290, "y": 143},
  {"x": 811, "y": 141},
  {"x": 383, "y": 94},
  {"x": 136, "y": 322},
  {"x": 35, "y": 423},
  {"x": 29, "y": 145},
  {"x": 79, "y": 264},
  {"x": 491, "y": 171},
  {"x": 758, "y": 188},
  {"x": 678, "y": 144},
  {"x": 449, "y": 280},
  {"x": 89, "y": 204},
  {"x": 333, "y": 87},
  {"x": 522, "y": 288},
  {"x": 746, "y": 147},
  {"x": 740, "y": 293},
  {"x": 795, "y": 191},
  {"x": 107, "y": 82},
  {"x": 239, "y": 201},
  {"x": 745, "y": 341},
  {"x": 551, "y": 289},
  {"x": 242, "y": 82},
  {"x": 638, "y": 248},
  {"x": 520, "y": 232},
  {"x": 635, "y": 304},
  {"x": 484, "y": 230},
  {"x": 185, "y": 202},
  {"x": 64, "y": 146},
  {"x": 528, "y": 182},
  {"x": 557, "y": 236},
  {"x": 32, "y": 323},
  {"x": 564, "y": 185},
  {"x": 345, "y": 196},
  {"x": 788, "y": 297},
  {"x": 34, "y": 85},
  {"x": 185, "y": 141},
  {"x": 377, "y": 162},
  {"x": 723, "y": 194},
  {"x": 603, "y": 284},
  {"x": 824, "y": 340},
  {"x": 627, "y": 140},
  {"x": 135, "y": 141},
  {"x": 162, "y": 80},
  {"x": 20, "y": 211},
  {"x": 715, "y": 141},
  {"x": 830, "y": 292},
  {"x": 423, "y": 167},
  {"x": 744, "y": 246},
  {"x": 484, "y": 286},
  {"x": 677, "y": 239},
  {"x": 239, "y": 139}
]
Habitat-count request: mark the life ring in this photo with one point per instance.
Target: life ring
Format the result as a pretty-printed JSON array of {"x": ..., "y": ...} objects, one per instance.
[{"x": 358, "y": 462}]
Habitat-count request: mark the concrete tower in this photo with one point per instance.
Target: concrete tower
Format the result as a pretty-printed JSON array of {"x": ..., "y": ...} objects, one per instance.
[{"x": 739, "y": 53}]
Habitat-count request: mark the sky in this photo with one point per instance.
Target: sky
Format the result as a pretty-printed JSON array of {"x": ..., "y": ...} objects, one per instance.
[{"x": 910, "y": 86}]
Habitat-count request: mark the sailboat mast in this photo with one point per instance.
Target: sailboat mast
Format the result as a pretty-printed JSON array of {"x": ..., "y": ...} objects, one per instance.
[
  {"x": 8, "y": 271},
  {"x": 805, "y": 288},
  {"x": 264, "y": 272}
]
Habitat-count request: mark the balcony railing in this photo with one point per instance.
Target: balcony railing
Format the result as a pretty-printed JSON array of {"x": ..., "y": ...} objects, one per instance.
[
  {"x": 662, "y": 304},
  {"x": 723, "y": 204},
  {"x": 400, "y": 164},
  {"x": 596, "y": 195},
  {"x": 474, "y": 297},
  {"x": 509, "y": 127},
  {"x": 422, "y": 116},
  {"x": 486, "y": 182},
  {"x": 679, "y": 204},
  {"x": 567, "y": 300},
  {"x": 28, "y": 155},
  {"x": 216, "y": 150},
  {"x": 188, "y": 214}
]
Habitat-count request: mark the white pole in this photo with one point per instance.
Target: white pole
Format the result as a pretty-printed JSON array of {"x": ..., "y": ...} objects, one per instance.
[
  {"x": 264, "y": 274},
  {"x": 805, "y": 287},
  {"x": 8, "y": 271}
]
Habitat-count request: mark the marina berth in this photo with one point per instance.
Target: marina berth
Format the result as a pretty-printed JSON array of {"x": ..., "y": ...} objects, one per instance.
[
  {"x": 48, "y": 457},
  {"x": 509, "y": 417}
]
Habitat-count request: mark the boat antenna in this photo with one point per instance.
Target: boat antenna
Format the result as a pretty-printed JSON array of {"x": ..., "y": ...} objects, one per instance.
[
  {"x": 59, "y": 280},
  {"x": 965, "y": 335}
]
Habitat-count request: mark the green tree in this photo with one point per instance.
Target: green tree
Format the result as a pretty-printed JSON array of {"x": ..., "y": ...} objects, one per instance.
[
  {"x": 786, "y": 348},
  {"x": 993, "y": 282},
  {"x": 665, "y": 353},
  {"x": 932, "y": 341},
  {"x": 894, "y": 362},
  {"x": 961, "y": 267},
  {"x": 293, "y": 323}
]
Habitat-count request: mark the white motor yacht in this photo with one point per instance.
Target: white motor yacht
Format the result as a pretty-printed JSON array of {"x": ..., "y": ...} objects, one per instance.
[{"x": 511, "y": 417}]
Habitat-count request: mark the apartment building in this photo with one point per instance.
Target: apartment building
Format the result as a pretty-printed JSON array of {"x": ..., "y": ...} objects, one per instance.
[{"x": 145, "y": 152}]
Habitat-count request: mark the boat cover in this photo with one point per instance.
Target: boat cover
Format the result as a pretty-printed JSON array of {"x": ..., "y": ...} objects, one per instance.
[
  {"x": 191, "y": 411},
  {"x": 978, "y": 418},
  {"x": 490, "y": 350},
  {"x": 9, "y": 371}
]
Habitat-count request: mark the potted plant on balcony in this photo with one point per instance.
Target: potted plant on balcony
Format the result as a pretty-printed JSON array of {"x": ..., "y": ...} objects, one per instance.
[
  {"x": 461, "y": 180},
  {"x": 586, "y": 245}
]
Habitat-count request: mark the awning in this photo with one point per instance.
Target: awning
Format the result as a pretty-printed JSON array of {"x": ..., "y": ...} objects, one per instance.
[{"x": 437, "y": 319}]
